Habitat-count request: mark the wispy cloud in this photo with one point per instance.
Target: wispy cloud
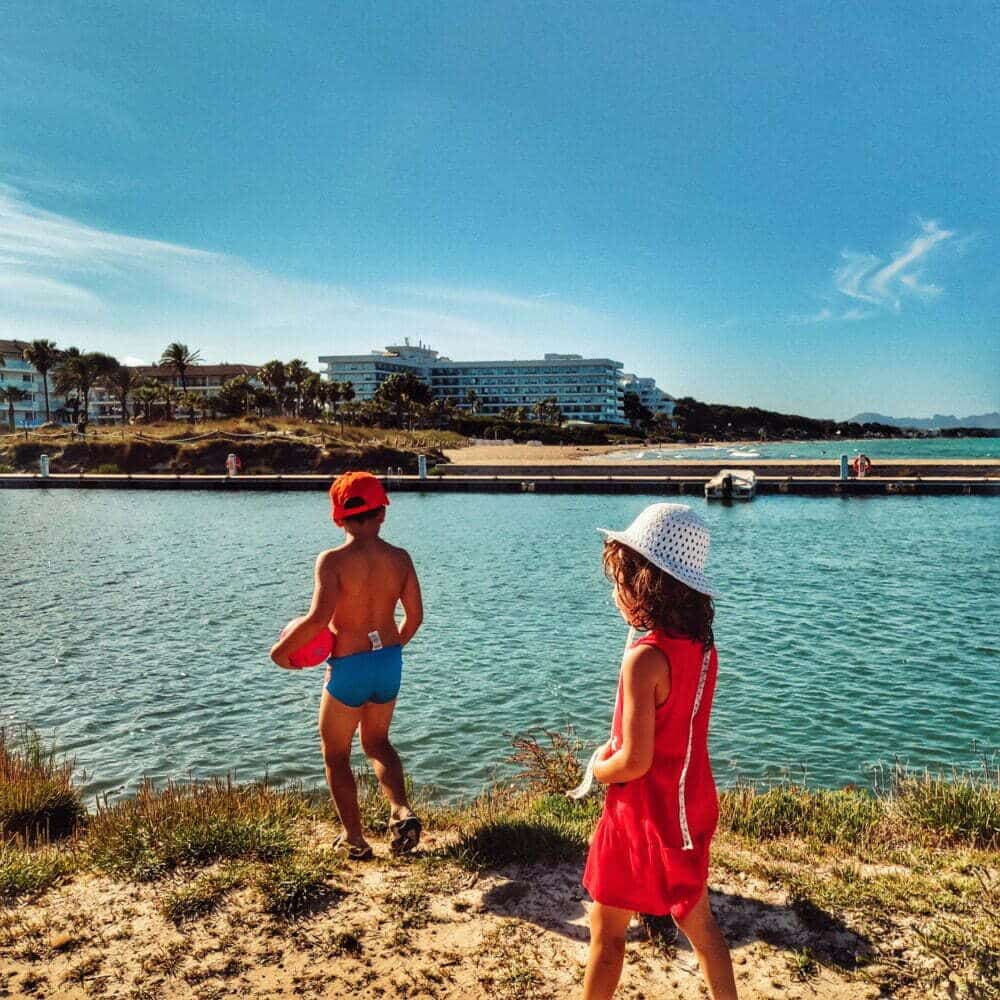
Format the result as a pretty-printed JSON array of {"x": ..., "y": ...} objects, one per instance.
[
  {"x": 880, "y": 284},
  {"x": 82, "y": 284}
]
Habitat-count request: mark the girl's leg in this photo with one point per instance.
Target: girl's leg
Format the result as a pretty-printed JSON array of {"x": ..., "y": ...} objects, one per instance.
[
  {"x": 710, "y": 946},
  {"x": 608, "y": 926},
  {"x": 337, "y": 723},
  {"x": 375, "y": 721}
]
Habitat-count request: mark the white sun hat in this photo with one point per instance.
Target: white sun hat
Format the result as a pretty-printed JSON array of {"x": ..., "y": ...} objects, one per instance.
[{"x": 673, "y": 538}]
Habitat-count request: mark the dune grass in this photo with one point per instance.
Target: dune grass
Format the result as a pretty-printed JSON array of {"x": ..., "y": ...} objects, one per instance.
[
  {"x": 37, "y": 798},
  {"x": 27, "y": 872},
  {"x": 145, "y": 837}
]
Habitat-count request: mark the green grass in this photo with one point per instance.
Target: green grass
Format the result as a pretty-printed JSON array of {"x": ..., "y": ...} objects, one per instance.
[
  {"x": 502, "y": 829},
  {"x": 27, "y": 873},
  {"x": 832, "y": 817},
  {"x": 201, "y": 895},
  {"x": 146, "y": 837},
  {"x": 962, "y": 808},
  {"x": 37, "y": 797},
  {"x": 291, "y": 885}
]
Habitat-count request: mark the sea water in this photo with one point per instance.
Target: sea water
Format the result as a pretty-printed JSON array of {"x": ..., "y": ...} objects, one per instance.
[
  {"x": 135, "y": 628},
  {"x": 941, "y": 449}
]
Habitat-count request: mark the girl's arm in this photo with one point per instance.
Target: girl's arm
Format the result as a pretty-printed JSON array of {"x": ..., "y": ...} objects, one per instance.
[
  {"x": 320, "y": 612},
  {"x": 645, "y": 681},
  {"x": 413, "y": 607}
]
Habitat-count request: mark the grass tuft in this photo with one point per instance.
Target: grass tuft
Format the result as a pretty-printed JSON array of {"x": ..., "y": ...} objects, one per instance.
[
  {"x": 37, "y": 797},
  {"x": 201, "y": 895},
  {"x": 548, "y": 769},
  {"x": 961, "y": 808},
  {"x": 293, "y": 884},
  {"x": 832, "y": 817},
  {"x": 26, "y": 872},
  {"x": 147, "y": 837}
]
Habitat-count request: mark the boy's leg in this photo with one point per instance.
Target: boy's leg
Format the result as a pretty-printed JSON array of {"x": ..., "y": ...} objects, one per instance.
[
  {"x": 337, "y": 723},
  {"x": 608, "y": 927},
  {"x": 710, "y": 946},
  {"x": 375, "y": 722}
]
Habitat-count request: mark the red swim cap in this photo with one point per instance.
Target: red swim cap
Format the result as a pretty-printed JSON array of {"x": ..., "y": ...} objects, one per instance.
[{"x": 354, "y": 493}]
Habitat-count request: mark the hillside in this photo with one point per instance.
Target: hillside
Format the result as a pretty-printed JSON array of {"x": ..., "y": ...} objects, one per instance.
[{"x": 938, "y": 422}]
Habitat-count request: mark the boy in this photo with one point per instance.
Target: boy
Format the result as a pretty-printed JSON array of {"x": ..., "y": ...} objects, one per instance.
[{"x": 357, "y": 588}]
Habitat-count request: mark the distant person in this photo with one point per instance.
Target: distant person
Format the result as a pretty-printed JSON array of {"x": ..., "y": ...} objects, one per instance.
[
  {"x": 649, "y": 853},
  {"x": 81, "y": 425},
  {"x": 357, "y": 588}
]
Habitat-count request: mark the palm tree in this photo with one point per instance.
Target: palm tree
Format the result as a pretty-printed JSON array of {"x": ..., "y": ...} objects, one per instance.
[
  {"x": 472, "y": 400},
  {"x": 122, "y": 382},
  {"x": 42, "y": 354},
  {"x": 312, "y": 391},
  {"x": 178, "y": 358},
  {"x": 79, "y": 372},
  {"x": 145, "y": 395},
  {"x": 273, "y": 376},
  {"x": 11, "y": 394},
  {"x": 297, "y": 371}
]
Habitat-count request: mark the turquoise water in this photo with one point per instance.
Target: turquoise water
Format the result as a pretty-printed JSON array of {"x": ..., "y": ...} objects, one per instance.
[
  {"x": 136, "y": 628},
  {"x": 874, "y": 448}
]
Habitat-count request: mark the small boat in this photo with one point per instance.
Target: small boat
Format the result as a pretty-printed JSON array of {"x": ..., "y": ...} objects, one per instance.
[{"x": 732, "y": 484}]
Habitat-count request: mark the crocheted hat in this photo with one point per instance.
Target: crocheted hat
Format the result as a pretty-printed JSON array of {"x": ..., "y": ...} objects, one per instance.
[{"x": 673, "y": 538}]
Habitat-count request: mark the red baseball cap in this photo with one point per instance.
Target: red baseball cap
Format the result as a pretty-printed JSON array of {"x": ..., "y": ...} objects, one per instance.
[{"x": 355, "y": 493}]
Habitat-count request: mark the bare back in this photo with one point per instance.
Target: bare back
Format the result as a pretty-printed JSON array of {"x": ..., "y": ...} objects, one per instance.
[{"x": 370, "y": 577}]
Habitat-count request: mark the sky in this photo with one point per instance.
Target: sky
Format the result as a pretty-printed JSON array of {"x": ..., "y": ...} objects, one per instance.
[{"x": 788, "y": 205}]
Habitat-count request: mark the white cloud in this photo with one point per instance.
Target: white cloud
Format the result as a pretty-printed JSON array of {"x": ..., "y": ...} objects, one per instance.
[
  {"x": 80, "y": 284},
  {"x": 884, "y": 285}
]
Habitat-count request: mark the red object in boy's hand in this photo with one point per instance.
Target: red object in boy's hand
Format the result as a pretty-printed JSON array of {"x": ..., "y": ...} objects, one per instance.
[{"x": 313, "y": 653}]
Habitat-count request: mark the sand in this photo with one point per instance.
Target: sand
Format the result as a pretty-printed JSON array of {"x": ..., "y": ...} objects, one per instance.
[{"x": 424, "y": 929}]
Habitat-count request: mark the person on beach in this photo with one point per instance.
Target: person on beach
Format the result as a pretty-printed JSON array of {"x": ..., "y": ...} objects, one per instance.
[
  {"x": 649, "y": 853},
  {"x": 357, "y": 588}
]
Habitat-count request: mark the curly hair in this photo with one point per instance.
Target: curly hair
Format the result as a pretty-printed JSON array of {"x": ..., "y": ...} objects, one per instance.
[{"x": 652, "y": 599}]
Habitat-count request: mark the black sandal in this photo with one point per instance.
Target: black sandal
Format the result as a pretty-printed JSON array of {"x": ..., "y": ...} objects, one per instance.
[
  {"x": 354, "y": 852},
  {"x": 406, "y": 834}
]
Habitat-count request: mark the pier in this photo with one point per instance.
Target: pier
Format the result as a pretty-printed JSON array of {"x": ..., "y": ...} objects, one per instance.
[{"x": 978, "y": 478}]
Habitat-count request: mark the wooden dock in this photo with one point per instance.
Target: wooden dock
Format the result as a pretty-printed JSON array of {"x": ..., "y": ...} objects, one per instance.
[{"x": 519, "y": 482}]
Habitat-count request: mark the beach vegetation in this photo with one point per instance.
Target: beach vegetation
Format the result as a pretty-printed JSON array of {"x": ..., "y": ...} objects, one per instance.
[
  {"x": 549, "y": 767},
  {"x": 146, "y": 837},
  {"x": 957, "y": 808},
  {"x": 296, "y": 882},
  {"x": 202, "y": 894},
  {"x": 37, "y": 797},
  {"x": 27, "y": 872}
]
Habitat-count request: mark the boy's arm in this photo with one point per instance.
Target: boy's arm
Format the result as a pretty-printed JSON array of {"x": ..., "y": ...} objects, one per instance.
[
  {"x": 642, "y": 669},
  {"x": 320, "y": 612},
  {"x": 413, "y": 605}
]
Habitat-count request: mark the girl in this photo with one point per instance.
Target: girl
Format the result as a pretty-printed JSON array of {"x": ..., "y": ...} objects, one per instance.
[{"x": 649, "y": 853}]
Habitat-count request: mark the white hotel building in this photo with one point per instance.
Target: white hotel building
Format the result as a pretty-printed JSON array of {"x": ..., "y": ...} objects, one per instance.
[
  {"x": 650, "y": 395},
  {"x": 584, "y": 388}
]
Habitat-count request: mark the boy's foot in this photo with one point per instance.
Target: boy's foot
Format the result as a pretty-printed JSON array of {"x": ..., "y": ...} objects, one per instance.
[
  {"x": 405, "y": 834},
  {"x": 354, "y": 852}
]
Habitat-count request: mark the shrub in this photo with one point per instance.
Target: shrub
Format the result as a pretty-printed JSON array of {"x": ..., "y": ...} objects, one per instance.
[
  {"x": 37, "y": 797},
  {"x": 108, "y": 469},
  {"x": 550, "y": 769}
]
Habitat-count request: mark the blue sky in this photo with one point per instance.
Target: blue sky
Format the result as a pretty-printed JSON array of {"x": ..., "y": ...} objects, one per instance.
[{"x": 790, "y": 205}]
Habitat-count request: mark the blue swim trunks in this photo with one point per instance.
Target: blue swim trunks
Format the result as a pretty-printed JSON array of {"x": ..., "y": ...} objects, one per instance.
[{"x": 366, "y": 677}]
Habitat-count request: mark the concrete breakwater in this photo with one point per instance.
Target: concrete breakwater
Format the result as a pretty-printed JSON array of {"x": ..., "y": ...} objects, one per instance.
[{"x": 545, "y": 479}]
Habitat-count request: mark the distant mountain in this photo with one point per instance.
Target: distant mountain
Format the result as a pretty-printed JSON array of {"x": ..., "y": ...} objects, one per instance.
[{"x": 938, "y": 422}]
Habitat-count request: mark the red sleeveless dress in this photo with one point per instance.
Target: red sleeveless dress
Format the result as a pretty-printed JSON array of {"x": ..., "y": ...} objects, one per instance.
[{"x": 649, "y": 853}]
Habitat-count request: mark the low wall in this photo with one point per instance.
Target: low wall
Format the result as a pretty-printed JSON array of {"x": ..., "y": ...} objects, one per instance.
[{"x": 763, "y": 467}]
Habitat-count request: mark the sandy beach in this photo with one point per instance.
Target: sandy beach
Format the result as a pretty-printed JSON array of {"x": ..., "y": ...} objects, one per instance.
[{"x": 429, "y": 929}]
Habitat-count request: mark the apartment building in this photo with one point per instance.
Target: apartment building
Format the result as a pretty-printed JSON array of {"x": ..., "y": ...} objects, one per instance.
[
  {"x": 586, "y": 389},
  {"x": 650, "y": 395}
]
